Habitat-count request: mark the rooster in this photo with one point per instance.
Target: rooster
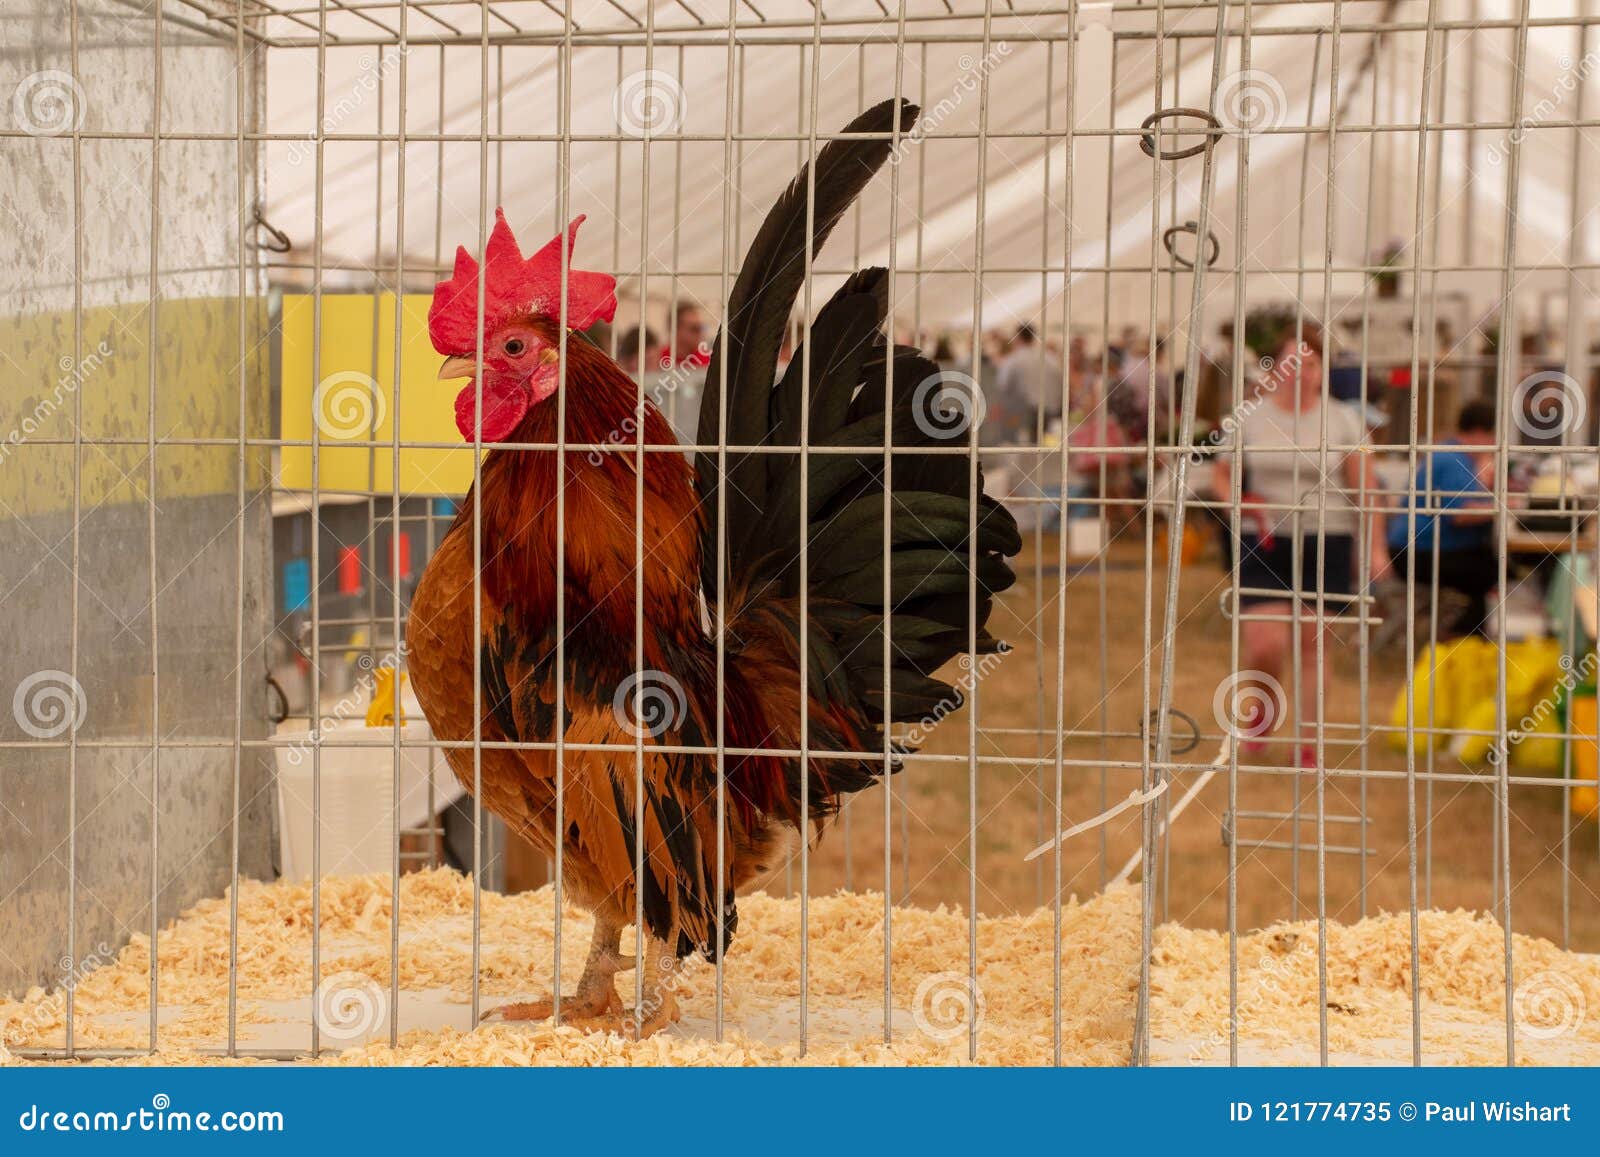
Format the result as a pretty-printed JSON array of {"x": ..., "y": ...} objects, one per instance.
[{"x": 665, "y": 695}]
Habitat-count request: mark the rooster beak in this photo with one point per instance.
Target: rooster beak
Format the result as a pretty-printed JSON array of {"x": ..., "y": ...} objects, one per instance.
[{"x": 458, "y": 368}]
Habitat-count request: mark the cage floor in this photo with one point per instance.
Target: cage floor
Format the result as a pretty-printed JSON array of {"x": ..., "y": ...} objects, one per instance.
[{"x": 1368, "y": 1003}]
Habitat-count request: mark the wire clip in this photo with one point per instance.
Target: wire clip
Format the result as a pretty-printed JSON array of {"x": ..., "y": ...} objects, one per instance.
[
  {"x": 1211, "y": 243},
  {"x": 1147, "y": 139}
]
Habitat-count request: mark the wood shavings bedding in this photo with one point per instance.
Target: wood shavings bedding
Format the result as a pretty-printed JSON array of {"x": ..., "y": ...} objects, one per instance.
[
  {"x": 1555, "y": 1006},
  {"x": 931, "y": 996},
  {"x": 1368, "y": 986}
]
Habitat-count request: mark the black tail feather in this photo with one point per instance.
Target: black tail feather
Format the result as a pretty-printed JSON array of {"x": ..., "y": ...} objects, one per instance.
[
  {"x": 758, "y": 310},
  {"x": 934, "y": 558}
]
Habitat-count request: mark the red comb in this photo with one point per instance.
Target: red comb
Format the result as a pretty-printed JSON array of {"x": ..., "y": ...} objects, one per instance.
[{"x": 514, "y": 285}]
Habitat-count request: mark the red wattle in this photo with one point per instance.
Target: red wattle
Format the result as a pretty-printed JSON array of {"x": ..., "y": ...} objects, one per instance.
[{"x": 502, "y": 411}]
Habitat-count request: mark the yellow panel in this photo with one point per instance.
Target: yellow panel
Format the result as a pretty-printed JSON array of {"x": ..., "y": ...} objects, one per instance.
[
  {"x": 355, "y": 398},
  {"x": 196, "y": 390}
]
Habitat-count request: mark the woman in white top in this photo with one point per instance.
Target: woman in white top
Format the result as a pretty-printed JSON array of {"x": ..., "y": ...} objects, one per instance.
[{"x": 1291, "y": 492}]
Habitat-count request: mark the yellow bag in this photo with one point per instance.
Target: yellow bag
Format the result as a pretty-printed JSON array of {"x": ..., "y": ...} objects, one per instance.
[
  {"x": 1474, "y": 749},
  {"x": 1541, "y": 749},
  {"x": 1459, "y": 674},
  {"x": 1533, "y": 667}
]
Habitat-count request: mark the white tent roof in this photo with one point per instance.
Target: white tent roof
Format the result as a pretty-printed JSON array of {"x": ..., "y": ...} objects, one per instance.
[{"x": 1024, "y": 188}]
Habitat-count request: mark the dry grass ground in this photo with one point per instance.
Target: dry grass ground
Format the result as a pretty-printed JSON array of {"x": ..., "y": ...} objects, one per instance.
[{"x": 931, "y": 818}]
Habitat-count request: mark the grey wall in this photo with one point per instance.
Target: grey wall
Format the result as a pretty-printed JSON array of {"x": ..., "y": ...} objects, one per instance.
[{"x": 158, "y": 543}]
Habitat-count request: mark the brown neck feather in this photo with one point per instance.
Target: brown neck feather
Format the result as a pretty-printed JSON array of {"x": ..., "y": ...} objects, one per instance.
[{"x": 520, "y": 507}]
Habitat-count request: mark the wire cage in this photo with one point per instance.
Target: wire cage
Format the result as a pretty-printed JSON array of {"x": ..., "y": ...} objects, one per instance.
[{"x": 231, "y": 466}]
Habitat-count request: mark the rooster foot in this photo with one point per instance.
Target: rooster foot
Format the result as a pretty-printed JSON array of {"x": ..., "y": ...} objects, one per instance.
[
  {"x": 632, "y": 1024},
  {"x": 658, "y": 1011},
  {"x": 583, "y": 1006},
  {"x": 595, "y": 998}
]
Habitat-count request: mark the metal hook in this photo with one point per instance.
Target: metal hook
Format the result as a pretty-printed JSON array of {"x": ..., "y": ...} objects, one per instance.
[
  {"x": 1189, "y": 742},
  {"x": 1147, "y": 139},
  {"x": 1191, "y": 227},
  {"x": 281, "y": 712},
  {"x": 280, "y": 240}
]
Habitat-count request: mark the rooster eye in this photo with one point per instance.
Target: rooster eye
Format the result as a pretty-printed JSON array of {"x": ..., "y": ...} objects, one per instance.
[{"x": 514, "y": 347}]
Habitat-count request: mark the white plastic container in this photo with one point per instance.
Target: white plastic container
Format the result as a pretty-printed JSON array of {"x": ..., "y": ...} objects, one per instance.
[{"x": 358, "y": 800}]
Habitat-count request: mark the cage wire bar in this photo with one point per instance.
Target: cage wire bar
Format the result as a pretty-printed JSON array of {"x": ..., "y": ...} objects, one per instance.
[{"x": 1158, "y": 43}]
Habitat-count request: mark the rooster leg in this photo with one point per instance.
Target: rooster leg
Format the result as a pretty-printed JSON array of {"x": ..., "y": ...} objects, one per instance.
[
  {"x": 596, "y": 995},
  {"x": 662, "y": 975}
]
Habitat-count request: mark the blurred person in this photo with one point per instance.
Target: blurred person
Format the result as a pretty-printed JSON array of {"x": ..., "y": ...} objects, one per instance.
[
  {"x": 1126, "y": 393},
  {"x": 991, "y": 345},
  {"x": 628, "y": 350},
  {"x": 1214, "y": 405},
  {"x": 1026, "y": 395},
  {"x": 1078, "y": 355},
  {"x": 1214, "y": 390},
  {"x": 1456, "y": 481},
  {"x": 1140, "y": 385},
  {"x": 691, "y": 338},
  {"x": 1285, "y": 492},
  {"x": 991, "y": 431},
  {"x": 1027, "y": 382},
  {"x": 1117, "y": 351},
  {"x": 1162, "y": 395},
  {"x": 1084, "y": 370}
]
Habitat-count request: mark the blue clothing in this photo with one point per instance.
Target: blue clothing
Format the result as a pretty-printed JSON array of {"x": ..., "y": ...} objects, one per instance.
[{"x": 1454, "y": 481}]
